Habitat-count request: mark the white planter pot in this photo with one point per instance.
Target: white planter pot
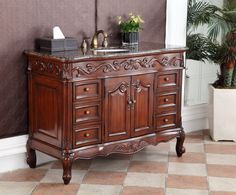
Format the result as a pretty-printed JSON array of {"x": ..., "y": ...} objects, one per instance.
[{"x": 222, "y": 113}]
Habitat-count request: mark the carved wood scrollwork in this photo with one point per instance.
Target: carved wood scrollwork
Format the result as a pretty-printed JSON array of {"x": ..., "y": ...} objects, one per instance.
[
  {"x": 105, "y": 67},
  {"x": 171, "y": 61},
  {"x": 58, "y": 70},
  {"x": 130, "y": 147},
  {"x": 48, "y": 67}
]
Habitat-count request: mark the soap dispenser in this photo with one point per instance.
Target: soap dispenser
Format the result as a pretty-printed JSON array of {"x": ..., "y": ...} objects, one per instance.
[{"x": 84, "y": 45}]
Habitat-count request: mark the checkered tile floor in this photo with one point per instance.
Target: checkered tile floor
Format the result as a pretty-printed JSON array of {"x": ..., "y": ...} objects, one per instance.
[{"x": 206, "y": 168}]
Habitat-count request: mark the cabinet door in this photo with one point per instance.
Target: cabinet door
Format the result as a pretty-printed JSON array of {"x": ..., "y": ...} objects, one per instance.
[
  {"x": 142, "y": 108},
  {"x": 117, "y": 108}
]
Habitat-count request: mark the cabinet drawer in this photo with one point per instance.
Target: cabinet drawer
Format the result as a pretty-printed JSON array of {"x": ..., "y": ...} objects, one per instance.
[
  {"x": 168, "y": 81},
  {"x": 86, "y": 112},
  {"x": 87, "y": 135},
  {"x": 87, "y": 90},
  {"x": 166, "y": 121},
  {"x": 166, "y": 102}
]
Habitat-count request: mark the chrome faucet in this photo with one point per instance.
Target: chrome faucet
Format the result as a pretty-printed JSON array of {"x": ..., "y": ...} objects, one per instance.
[{"x": 94, "y": 43}]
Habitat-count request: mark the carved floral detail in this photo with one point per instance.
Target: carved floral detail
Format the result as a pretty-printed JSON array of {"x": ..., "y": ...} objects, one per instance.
[
  {"x": 123, "y": 87},
  {"x": 130, "y": 147},
  {"x": 45, "y": 67},
  {"x": 130, "y": 64}
]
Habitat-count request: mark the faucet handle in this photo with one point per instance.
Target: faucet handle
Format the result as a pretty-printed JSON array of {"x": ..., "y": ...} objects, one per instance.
[{"x": 105, "y": 42}]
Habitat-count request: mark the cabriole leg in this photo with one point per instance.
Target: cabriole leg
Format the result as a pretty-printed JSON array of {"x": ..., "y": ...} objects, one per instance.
[
  {"x": 67, "y": 166},
  {"x": 179, "y": 144},
  {"x": 31, "y": 156}
]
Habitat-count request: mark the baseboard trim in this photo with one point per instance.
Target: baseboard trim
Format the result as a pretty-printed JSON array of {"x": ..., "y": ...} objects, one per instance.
[
  {"x": 195, "y": 117},
  {"x": 13, "y": 150}
]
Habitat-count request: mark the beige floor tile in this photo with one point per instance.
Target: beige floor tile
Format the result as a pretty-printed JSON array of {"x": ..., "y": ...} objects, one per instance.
[
  {"x": 190, "y": 147},
  {"x": 221, "y": 171},
  {"x": 199, "y": 132},
  {"x": 220, "y": 149},
  {"x": 17, "y": 188},
  {"x": 160, "y": 148},
  {"x": 109, "y": 165},
  {"x": 188, "y": 158},
  {"x": 88, "y": 189},
  {"x": 134, "y": 190},
  {"x": 173, "y": 191},
  {"x": 77, "y": 164},
  {"x": 222, "y": 184},
  {"x": 56, "y": 189},
  {"x": 24, "y": 175},
  {"x": 221, "y": 159},
  {"x": 193, "y": 138},
  {"x": 187, "y": 169},
  {"x": 145, "y": 179},
  {"x": 104, "y": 178},
  {"x": 55, "y": 176},
  {"x": 148, "y": 167},
  {"x": 222, "y": 193},
  {"x": 119, "y": 156},
  {"x": 47, "y": 165},
  {"x": 187, "y": 182},
  {"x": 150, "y": 156}
]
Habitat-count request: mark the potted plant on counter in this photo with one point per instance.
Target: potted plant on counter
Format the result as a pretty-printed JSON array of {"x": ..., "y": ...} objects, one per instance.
[
  {"x": 221, "y": 22},
  {"x": 130, "y": 27}
]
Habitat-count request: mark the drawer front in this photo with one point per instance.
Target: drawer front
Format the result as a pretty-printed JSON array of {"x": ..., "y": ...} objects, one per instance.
[
  {"x": 166, "y": 102},
  {"x": 166, "y": 121},
  {"x": 87, "y": 90},
  {"x": 87, "y": 112},
  {"x": 87, "y": 135},
  {"x": 168, "y": 81}
]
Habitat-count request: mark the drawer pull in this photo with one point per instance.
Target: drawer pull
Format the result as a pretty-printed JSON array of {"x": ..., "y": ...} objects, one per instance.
[
  {"x": 87, "y": 112},
  {"x": 166, "y": 78},
  {"x": 86, "y": 89},
  {"x": 166, "y": 100},
  {"x": 86, "y": 134},
  {"x": 166, "y": 120}
]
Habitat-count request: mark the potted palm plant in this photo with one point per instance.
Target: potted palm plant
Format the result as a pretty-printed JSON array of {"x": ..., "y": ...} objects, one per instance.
[{"x": 222, "y": 94}]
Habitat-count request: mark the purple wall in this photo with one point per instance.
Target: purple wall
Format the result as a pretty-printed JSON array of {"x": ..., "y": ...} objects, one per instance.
[{"x": 23, "y": 21}]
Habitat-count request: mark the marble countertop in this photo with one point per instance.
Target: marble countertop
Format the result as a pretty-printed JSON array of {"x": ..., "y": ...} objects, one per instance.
[{"x": 141, "y": 48}]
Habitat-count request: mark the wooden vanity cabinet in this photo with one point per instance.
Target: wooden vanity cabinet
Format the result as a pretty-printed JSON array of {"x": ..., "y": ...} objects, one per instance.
[{"x": 96, "y": 106}]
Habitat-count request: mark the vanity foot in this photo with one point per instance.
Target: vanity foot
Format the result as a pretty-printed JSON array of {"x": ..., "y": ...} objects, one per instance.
[
  {"x": 179, "y": 144},
  {"x": 67, "y": 166},
  {"x": 31, "y": 156}
]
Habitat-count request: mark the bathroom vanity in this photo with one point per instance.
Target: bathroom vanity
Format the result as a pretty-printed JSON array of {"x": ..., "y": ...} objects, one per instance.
[{"x": 83, "y": 105}]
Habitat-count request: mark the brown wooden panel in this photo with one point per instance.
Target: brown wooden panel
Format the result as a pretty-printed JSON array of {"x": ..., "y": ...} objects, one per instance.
[
  {"x": 84, "y": 112},
  {"x": 166, "y": 121},
  {"x": 47, "y": 120},
  {"x": 142, "y": 112},
  {"x": 117, "y": 108},
  {"x": 87, "y": 135},
  {"x": 90, "y": 89}
]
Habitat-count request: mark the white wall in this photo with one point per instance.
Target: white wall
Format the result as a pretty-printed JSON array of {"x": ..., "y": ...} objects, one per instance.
[
  {"x": 12, "y": 150},
  {"x": 176, "y": 22}
]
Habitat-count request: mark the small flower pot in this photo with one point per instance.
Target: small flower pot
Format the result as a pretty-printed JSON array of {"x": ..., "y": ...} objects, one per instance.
[{"x": 130, "y": 38}]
